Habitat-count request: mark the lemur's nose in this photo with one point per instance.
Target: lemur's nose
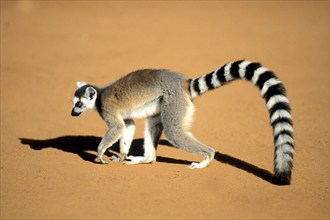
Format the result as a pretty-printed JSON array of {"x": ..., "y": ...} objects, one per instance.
[
  {"x": 74, "y": 113},
  {"x": 79, "y": 104}
]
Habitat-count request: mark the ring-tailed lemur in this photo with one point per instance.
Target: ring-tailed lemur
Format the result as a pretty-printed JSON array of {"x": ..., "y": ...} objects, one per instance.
[{"x": 165, "y": 98}]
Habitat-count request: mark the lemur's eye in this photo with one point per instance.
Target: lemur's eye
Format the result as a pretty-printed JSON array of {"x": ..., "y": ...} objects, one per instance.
[{"x": 79, "y": 104}]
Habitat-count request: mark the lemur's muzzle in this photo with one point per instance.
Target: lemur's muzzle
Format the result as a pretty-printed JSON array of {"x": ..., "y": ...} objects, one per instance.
[{"x": 74, "y": 113}]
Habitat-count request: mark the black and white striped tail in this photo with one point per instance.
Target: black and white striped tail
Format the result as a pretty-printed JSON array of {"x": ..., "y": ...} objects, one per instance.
[{"x": 273, "y": 91}]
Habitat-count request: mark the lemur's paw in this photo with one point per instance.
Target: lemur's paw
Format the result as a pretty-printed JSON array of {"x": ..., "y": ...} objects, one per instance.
[
  {"x": 102, "y": 160},
  {"x": 134, "y": 160},
  {"x": 207, "y": 160},
  {"x": 115, "y": 158},
  {"x": 122, "y": 157},
  {"x": 198, "y": 165},
  {"x": 119, "y": 158},
  {"x": 131, "y": 162},
  {"x": 138, "y": 160}
]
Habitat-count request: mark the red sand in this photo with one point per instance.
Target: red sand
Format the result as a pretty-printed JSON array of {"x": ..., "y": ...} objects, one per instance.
[{"x": 47, "y": 157}]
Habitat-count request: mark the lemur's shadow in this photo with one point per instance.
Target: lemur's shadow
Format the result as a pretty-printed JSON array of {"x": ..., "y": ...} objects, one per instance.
[
  {"x": 84, "y": 146},
  {"x": 81, "y": 145}
]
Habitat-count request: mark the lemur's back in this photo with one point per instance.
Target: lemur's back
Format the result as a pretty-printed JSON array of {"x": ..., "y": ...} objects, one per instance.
[
  {"x": 142, "y": 86},
  {"x": 149, "y": 78}
]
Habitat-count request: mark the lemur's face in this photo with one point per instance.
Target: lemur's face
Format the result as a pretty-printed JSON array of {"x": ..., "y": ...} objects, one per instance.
[{"x": 84, "y": 98}]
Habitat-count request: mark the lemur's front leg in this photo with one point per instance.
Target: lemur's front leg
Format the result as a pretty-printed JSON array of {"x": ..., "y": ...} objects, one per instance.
[
  {"x": 111, "y": 136},
  {"x": 126, "y": 139}
]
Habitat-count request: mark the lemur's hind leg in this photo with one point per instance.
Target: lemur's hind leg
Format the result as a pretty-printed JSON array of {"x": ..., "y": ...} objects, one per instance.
[
  {"x": 177, "y": 114},
  {"x": 152, "y": 133}
]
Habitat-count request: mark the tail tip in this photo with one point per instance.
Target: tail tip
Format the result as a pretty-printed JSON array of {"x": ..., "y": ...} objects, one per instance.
[{"x": 283, "y": 178}]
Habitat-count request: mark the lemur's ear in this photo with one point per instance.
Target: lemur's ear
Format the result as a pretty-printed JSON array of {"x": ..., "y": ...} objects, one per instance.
[
  {"x": 90, "y": 92},
  {"x": 80, "y": 84}
]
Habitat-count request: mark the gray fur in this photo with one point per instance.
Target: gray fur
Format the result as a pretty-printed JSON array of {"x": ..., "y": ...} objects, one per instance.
[
  {"x": 160, "y": 96},
  {"x": 165, "y": 98}
]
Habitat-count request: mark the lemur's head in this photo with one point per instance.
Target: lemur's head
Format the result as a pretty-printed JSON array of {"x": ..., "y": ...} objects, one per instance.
[{"x": 84, "y": 98}]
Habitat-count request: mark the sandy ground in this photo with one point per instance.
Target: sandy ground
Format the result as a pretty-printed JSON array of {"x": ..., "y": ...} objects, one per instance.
[{"x": 47, "y": 157}]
